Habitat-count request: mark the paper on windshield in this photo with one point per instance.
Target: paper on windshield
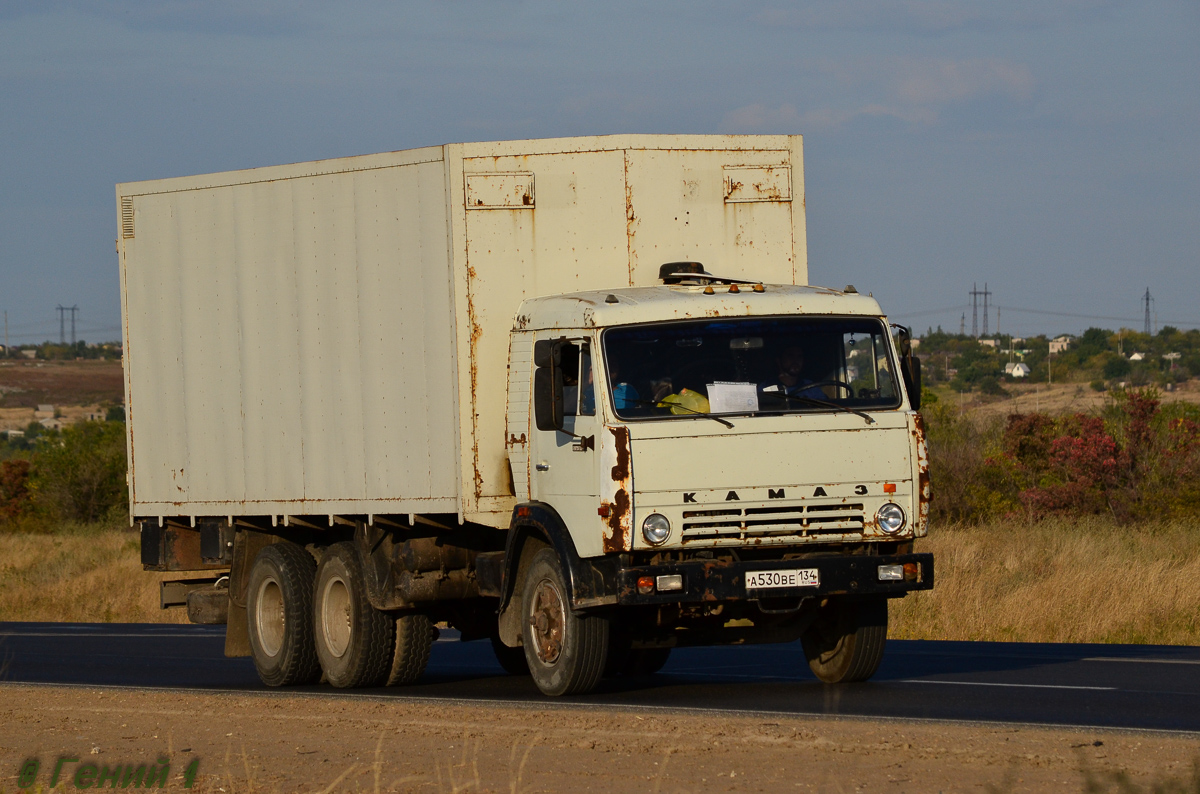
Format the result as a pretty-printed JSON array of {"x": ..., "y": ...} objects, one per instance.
[{"x": 728, "y": 398}]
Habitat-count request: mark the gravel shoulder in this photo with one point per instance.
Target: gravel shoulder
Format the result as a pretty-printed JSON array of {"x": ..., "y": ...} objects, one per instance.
[{"x": 276, "y": 742}]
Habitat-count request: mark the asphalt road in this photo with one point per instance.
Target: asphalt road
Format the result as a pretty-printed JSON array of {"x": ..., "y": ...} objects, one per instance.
[{"x": 1119, "y": 686}]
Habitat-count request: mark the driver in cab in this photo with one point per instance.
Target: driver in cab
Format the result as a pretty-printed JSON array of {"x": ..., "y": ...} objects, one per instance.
[{"x": 790, "y": 379}]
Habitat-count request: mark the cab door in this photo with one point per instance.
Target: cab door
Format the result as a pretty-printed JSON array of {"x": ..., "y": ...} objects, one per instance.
[{"x": 565, "y": 461}]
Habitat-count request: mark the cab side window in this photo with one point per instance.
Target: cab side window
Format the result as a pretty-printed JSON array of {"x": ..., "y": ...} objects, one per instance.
[{"x": 579, "y": 390}]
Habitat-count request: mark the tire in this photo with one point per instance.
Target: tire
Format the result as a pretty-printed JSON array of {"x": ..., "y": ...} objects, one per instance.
[
  {"x": 846, "y": 641},
  {"x": 355, "y": 642},
  {"x": 278, "y": 610},
  {"x": 565, "y": 651},
  {"x": 410, "y": 654},
  {"x": 511, "y": 659}
]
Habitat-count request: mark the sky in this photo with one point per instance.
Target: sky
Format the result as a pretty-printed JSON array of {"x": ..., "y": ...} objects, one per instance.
[{"x": 1047, "y": 148}]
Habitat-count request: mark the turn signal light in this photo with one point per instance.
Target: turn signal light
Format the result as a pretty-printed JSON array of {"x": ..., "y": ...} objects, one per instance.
[
  {"x": 645, "y": 585},
  {"x": 889, "y": 487},
  {"x": 912, "y": 571}
]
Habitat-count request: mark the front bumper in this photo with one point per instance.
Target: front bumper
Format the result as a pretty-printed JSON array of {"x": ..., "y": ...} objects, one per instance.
[{"x": 712, "y": 581}]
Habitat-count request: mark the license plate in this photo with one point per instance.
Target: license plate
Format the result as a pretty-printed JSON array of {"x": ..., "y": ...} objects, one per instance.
[{"x": 796, "y": 577}]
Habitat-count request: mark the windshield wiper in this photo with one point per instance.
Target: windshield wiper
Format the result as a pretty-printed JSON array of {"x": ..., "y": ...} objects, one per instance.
[
  {"x": 661, "y": 404},
  {"x": 815, "y": 401}
]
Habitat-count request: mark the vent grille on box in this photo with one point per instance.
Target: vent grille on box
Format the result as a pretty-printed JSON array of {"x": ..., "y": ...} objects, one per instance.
[{"x": 127, "y": 217}]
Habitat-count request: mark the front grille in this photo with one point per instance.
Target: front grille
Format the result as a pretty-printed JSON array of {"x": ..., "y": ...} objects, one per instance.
[{"x": 789, "y": 521}]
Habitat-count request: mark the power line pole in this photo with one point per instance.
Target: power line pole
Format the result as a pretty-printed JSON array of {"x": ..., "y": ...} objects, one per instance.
[
  {"x": 974, "y": 310},
  {"x": 62, "y": 324},
  {"x": 962, "y": 325},
  {"x": 976, "y": 294},
  {"x": 1147, "y": 301},
  {"x": 986, "y": 294},
  {"x": 6, "y": 348},
  {"x": 75, "y": 309}
]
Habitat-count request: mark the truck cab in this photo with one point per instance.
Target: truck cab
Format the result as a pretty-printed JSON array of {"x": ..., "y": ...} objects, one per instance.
[{"x": 711, "y": 461}]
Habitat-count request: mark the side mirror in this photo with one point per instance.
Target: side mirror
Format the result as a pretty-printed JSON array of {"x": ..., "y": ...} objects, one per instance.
[
  {"x": 548, "y": 384},
  {"x": 912, "y": 380},
  {"x": 910, "y": 367}
]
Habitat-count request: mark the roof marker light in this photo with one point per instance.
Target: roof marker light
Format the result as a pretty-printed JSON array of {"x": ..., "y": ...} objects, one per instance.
[
  {"x": 759, "y": 288},
  {"x": 708, "y": 290},
  {"x": 734, "y": 288}
]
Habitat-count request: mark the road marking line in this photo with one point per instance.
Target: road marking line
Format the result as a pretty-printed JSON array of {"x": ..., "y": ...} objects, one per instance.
[
  {"x": 1148, "y": 661},
  {"x": 1022, "y": 686}
]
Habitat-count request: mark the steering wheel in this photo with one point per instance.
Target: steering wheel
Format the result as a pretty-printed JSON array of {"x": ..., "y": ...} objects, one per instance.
[{"x": 842, "y": 384}]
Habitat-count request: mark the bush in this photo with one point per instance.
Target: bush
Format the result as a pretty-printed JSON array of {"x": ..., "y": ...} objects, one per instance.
[
  {"x": 991, "y": 386},
  {"x": 14, "y": 489},
  {"x": 81, "y": 475},
  {"x": 1135, "y": 462}
]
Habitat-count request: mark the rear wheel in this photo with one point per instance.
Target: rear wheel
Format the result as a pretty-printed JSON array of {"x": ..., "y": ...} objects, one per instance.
[
  {"x": 846, "y": 641},
  {"x": 278, "y": 607},
  {"x": 355, "y": 642},
  {"x": 410, "y": 655},
  {"x": 565, "y": 650}
]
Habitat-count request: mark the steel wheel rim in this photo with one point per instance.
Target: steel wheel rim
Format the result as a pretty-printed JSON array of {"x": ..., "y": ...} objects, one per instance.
[
  {"x": 269, "y": 618},
  {"x": 547, "y": 619},
  {"x": 335, "y": 616}
]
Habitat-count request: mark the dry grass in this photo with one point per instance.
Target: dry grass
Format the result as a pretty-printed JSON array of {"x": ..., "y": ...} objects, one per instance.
[
  {"x": 1084, "y": 580},
  {"x": 84, "y": 574}
]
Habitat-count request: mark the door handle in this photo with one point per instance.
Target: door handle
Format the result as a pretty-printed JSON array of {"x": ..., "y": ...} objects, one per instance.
[{"x": 542, "y": 467}]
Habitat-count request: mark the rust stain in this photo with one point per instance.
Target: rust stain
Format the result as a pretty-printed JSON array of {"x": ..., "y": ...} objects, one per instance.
[
  {"x": 516, "y": 441},
  {"x": 924, "y": 487},
  {"x": 476, "y": 333},
  {"x": 620, "y": 510},
  {"x": 630, "y": 223}
]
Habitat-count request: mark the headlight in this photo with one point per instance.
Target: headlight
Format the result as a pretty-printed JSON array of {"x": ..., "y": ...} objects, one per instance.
[
  {"x": 656, "y": 529},
  {"x": 890, "y": 518}
]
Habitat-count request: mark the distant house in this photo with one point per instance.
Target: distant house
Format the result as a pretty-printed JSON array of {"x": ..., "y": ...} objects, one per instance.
[
  {"x": 1017, "y": 370},
  {"x": 11, "y": 434},
  {"x": 50, "y": 423},
  {"x": 993, "y": 343},
  {"x": 1137, "y": 357},
  {"x": 1059, "y": 344},
  {"x": 44, "y": 410},
  {"x": 29, "y": 353}
]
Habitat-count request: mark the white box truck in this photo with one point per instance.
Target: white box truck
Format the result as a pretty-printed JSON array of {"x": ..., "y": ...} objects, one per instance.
[{"x": 492, "y": 386}]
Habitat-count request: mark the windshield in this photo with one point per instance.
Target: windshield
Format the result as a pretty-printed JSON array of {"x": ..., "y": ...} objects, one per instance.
[{"x": 761, "y": 365}]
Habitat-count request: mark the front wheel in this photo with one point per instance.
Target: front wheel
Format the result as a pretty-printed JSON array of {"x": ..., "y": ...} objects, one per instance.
[
  {"x": 565, "y": 650},
  {"x": 845, "y": 643}
]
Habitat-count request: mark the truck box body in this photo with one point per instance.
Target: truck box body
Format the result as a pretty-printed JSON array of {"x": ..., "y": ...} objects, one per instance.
[{"x": 332, "y": 338}]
